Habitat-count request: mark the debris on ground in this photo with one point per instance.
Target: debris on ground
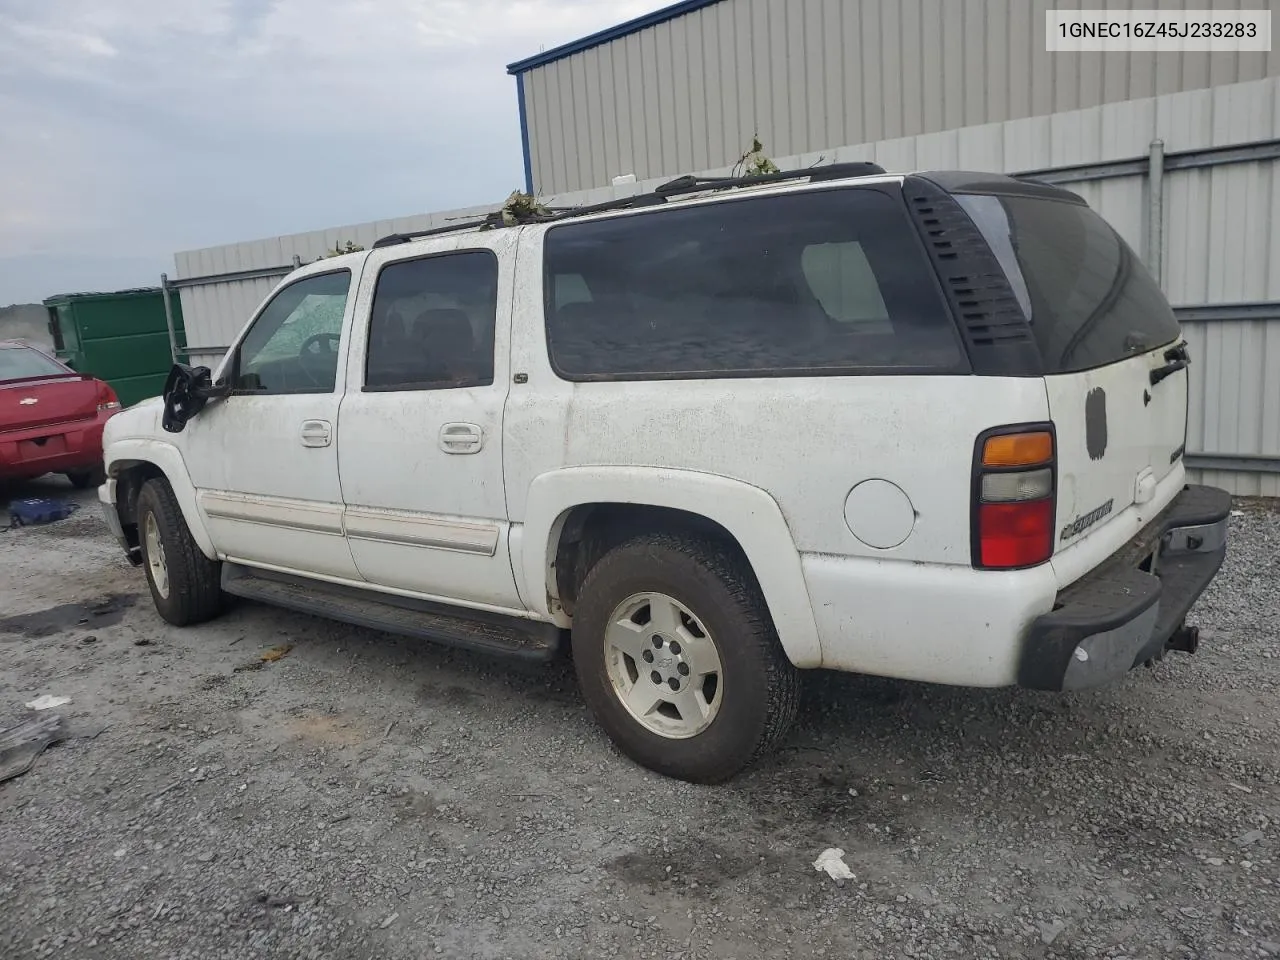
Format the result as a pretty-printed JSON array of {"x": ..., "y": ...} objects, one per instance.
[
  {"x": 47, "y": 702},
  {"x": 27, "y": 513},
  {"x": 831, "y": 861},
  {"x": 22, "y": 744},
  {"x": 275, "y": 653},
  {"x": 1049, "y": 932},
  {"x": 267, "y": 656}
]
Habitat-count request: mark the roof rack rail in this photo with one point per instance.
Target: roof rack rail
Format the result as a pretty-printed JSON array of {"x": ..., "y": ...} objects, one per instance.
[
  {"x": 672, "y": 188},
  {"x": 831, "y": 171},
  {"x": 394, "y": 238}
]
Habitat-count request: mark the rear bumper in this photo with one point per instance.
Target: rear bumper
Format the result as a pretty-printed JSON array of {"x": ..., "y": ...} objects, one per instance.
[
  {"x": 1123, "y": 613},
  {"x": 58, "y": 448}
]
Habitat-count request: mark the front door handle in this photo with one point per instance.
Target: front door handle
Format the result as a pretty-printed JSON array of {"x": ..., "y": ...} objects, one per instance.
[
  {"x": 316, "y": 433},
  {"x": 461, "y": 438}
]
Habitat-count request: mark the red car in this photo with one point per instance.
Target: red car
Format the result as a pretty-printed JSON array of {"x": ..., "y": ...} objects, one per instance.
[{"x": 50, "y": 417}]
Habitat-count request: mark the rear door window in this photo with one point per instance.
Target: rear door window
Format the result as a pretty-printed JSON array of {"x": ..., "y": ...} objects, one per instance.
[
  {"x": 1090, "y": 300},
  {"x": 432, "y": 323},
  {"x": 822, "y": 282}
]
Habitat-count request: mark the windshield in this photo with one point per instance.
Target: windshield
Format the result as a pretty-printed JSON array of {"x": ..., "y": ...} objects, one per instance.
[
  {"x": 1090, "y": 300},
  {"x": 17, "y": 363}
]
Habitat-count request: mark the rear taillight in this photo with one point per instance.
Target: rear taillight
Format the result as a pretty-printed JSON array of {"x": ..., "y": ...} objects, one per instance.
[
  {"x": 107, "y": 399},
  {"x": 1014, "y": 487}
]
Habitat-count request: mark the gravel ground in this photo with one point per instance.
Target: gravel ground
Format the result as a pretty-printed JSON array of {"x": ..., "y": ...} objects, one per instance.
[{"x": 365, "y": 796}]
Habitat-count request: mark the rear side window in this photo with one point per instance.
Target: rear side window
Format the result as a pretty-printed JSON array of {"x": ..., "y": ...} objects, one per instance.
[
  {"x": 432, "y": 323},
  {"x": 826, "y": 282},
  {"x": 1089, "y": 298}
]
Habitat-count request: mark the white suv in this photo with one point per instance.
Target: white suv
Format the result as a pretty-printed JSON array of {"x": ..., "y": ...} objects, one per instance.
[{"x": 925, "y": 426}]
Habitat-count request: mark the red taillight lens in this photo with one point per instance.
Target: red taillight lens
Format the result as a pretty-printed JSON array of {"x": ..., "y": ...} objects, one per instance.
[
  {"x": 1015, "y": 534},
  {"x": 107, "y": 399},
  {"x": 1014, "y": 497}
]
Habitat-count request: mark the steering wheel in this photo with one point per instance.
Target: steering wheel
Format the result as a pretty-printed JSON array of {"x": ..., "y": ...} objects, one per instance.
[
  {"x": 320, "y": 346},
  {"x": 330, "y": 341}
]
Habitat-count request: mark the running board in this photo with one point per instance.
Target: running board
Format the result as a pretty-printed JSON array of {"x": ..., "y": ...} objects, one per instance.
[{"x": 477, "y": 630}]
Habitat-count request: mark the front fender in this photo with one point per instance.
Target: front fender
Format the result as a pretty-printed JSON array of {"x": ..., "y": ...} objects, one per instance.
[
  {"x": 750, "y": 515},
  {"x": 122, "y": 454}
]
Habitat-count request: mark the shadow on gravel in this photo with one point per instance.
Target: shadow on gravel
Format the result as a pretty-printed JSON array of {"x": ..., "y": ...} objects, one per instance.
[{"x": 66, "y": 616}]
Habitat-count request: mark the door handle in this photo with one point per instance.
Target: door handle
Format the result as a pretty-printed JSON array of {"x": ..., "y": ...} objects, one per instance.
[
  {"x": 316, "y": 433},
  {"x": 461, "y": 438}
]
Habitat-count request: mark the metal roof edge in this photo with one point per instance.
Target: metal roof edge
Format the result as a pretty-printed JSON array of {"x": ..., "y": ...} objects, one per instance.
[
  {"x": 99, "y": 295},
  {"x": 607, "y": 35}
]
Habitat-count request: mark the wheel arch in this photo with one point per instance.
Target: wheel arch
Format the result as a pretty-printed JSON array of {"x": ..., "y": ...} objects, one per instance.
[
  {"x": 561, "y": 505},
  {"x": 131, "y": 463}
]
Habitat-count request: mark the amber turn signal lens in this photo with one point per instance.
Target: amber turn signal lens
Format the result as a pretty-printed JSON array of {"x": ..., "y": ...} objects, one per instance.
[{"x": 1018, "y": 450}]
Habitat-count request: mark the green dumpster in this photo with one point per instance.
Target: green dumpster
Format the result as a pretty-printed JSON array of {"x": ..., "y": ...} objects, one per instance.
[{"x": 119, "y": 337}]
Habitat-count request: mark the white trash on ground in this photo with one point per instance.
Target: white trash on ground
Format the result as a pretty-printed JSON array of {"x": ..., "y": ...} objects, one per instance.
[
  {"x": 831, "y": 861},
  {"x": 46, "y": 702}
]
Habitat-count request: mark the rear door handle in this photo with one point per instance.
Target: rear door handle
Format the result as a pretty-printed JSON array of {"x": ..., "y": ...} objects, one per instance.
[
  {"x": 316, "y": 433},
  {"x": 461, "y": 438}
]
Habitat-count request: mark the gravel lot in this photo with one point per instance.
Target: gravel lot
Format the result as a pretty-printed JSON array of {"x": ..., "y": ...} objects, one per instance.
[{"x": 365, "y": 796}]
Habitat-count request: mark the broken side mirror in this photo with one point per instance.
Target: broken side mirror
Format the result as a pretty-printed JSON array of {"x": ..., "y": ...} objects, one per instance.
[{"x": 186, "y": 391}]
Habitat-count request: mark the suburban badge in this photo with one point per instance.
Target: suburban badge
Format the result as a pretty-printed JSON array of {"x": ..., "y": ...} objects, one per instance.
[{"x": 1081, "y": 524}]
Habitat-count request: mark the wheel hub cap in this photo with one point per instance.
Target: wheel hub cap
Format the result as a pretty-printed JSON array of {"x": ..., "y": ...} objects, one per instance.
[
  {"x": 156, "y": 560},
  {"x": 664, "y": 665}
]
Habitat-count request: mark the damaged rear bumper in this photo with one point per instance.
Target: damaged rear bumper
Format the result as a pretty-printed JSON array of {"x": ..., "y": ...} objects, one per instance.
[{"x": 1129, "y": 609}]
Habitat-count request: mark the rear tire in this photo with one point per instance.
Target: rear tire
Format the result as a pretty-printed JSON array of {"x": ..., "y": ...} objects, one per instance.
[
  {"x": 84, "y": 479},
  {"x": 185, "y": 584},
  {"x": 700, "y": 708}
]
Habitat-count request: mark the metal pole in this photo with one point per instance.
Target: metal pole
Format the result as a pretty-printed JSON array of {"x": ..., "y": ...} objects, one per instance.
[
  {"x": 1155, "y": 212},
  {"x": 168, "y": 318}
]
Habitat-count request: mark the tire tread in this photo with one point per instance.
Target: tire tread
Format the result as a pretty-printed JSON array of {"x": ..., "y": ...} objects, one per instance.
[
  {"x": 195, "y": 588},
  {"x": 782, "y": 679}
]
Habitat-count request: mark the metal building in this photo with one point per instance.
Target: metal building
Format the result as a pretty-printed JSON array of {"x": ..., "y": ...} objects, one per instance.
[{"x": 687, "y": 87}]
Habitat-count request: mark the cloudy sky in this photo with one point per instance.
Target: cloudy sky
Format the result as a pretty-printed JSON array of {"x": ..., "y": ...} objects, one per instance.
[{"x": 130, "y": 129}]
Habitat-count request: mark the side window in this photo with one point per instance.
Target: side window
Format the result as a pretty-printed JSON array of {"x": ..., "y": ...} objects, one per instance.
[
  {"x": 822, "y": 282},
  {"x": 432, "y": 323},
  {"x": 293, "y": 345}
]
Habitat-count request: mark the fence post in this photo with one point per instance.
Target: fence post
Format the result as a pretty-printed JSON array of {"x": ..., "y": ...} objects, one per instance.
[
  {"x": 1155, "y": 212},
  {"x": 168, "y": 317}
]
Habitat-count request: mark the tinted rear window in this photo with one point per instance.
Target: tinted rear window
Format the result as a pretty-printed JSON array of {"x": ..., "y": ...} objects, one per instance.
[
  {"x": 17, "y": 363},
  {"x": 1090, "y": 300},
  {"x": 823, "y": 282}
]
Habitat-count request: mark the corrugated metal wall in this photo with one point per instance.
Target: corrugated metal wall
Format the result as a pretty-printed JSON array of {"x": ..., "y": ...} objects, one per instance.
[
  {"x": 689, "y": 93},
  {"x": 1220, "y": 244}
]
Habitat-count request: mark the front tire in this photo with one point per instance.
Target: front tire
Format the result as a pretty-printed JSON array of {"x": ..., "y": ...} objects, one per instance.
[
  {"x": 185, "y": 584},
  {"x": 678, "y": 659}
]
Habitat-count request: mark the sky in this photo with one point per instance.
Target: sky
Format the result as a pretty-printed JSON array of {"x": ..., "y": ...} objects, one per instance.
[{"x": 132, "y": 129}]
